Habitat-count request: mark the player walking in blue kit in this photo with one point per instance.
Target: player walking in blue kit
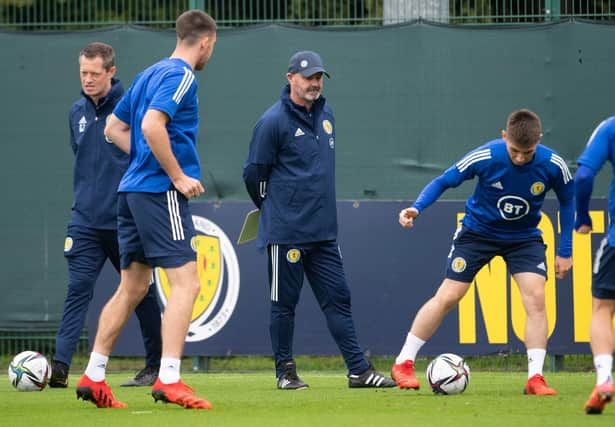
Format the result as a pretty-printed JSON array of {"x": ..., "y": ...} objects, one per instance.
[
  {"x": 599, "y": 150},
  {"x": 159, "y": 118},
  {"x": 92, "y": 231},
  {"x": 514, "y": 174},
  {"x": 290, "y": 176}
]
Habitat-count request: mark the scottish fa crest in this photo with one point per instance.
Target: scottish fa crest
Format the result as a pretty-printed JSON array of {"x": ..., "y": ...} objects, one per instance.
[{"x": 218, "y": 271}]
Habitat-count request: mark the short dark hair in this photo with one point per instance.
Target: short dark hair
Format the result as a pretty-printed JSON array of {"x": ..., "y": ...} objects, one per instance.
[
  {"x": 192, "y": 25},
  {"x": 103, "y": 50},
  {"x": 523, "y": 127}
]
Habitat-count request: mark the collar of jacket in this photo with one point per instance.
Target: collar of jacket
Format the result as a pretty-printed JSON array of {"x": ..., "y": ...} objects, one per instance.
[
  {"x": 116, "y": 92},
  {"x": 317, "y": 106}
]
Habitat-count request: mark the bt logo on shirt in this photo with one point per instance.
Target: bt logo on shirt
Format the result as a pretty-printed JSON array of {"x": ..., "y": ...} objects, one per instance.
[{"x": 513, "y": 207}]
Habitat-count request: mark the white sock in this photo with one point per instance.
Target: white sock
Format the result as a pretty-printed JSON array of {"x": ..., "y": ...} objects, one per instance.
[
  {"x": 411, "y": 347},
  {"x": 535, "y": 361},
  {"x": 97, "y": 366},
  {"x": 169, "y": 370},
  {"x": 604, "y": 367}
]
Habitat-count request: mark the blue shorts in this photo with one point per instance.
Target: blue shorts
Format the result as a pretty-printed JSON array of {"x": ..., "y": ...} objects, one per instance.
[
  {"x": 603, "y": 278},
  {"x": 471, "y": 251},
  {"x": 155, "y": 229}
]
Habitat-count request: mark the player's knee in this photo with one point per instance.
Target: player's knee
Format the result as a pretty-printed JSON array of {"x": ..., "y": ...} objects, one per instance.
[{"x": 446, "y": 301}]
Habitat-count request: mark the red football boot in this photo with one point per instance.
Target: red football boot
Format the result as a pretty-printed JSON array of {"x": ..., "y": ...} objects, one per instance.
[
  {"x": 180, "y": 394},
  {"x": 97, "y": 392}
]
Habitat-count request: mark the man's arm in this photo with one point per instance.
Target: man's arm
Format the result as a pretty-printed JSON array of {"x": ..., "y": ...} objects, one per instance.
[
  {"x": 261, "y": 156},
  {"x": 583, "y": 184},
  {"x": 118, "y": 132},
  {"x": 154, "y": 128}
]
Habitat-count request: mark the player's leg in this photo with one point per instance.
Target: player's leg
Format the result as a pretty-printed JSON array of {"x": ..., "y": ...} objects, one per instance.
[
  {"x": 133, "y": 286},
  {"x": 285, "y": 282},
  {"x": 468, "y": 253},
  {"x": 149, "y": 317},
  {"x": 85, "y": 257},
  {"x": 167, "y": 234},
  {"x": 602, "y": 335},
  {"x": 602, "y": 340},
  {"x": 325, "y": 272},
  {"x": 526, "y": 260},
  {"x": 532, "y": 289},
  {"x": 432, "y": 313},
  {"x": 134, "y": 281}
]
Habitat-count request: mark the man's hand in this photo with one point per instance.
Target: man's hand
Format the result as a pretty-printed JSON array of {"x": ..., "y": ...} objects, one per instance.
[
  {"x": 406, "y": 217},
  {"x": 584, "y": 229},
  {"x": 188, "y": 186},
  {"x": 562, "y": 266}
]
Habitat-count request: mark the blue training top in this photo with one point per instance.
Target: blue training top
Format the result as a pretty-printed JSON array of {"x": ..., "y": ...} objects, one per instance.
[
  {"x": 168, "y": 86},
  {"x": 507, "y": 200},
  {"x": 599, "y": 150},
  {"x": 99, "y": 164}
]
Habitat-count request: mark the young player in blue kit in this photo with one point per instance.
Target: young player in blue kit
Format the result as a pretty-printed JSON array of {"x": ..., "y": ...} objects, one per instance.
[
  {"x": 92, "y": 233},
  {"x": 159, "y": 119},
  {"x": 290, "y": 176},
  {"x": 514, "y": 174},
  {"x": 599, "y": 150}
]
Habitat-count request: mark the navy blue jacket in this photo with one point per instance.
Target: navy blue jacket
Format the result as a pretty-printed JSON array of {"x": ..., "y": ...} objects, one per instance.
[
  {"x": 290, "y": 173},
  {"x": 99, "y": 164}
]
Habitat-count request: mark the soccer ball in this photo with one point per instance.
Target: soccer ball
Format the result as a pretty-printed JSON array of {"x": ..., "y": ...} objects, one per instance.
[
  {"x": 29, "y": 371},
  {"x": 448, "y": 374}
]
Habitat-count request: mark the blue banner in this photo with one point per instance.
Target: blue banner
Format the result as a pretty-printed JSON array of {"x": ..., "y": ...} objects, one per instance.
[{"x": 391, "y": 272}]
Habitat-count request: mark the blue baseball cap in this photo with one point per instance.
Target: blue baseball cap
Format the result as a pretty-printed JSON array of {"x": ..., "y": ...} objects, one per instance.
[{"x": 307, "y": 63}]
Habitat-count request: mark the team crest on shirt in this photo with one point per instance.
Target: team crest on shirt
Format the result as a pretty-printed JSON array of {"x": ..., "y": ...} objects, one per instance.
[
  {"x": 68, "y": 244},
  {"x": 459, "y": 264},
  {"x": 537, "y": 188},
  {"x": 293, "y": 255},
  {"x": 327, "y": 126},
  {"x": 218, "y": 271}
]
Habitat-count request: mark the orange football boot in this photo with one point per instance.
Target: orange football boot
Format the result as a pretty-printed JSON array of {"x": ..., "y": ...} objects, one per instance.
[
  {"x": 403, "y": 374},
  {"x": 180, "y": 394},
  {"x": 601, "y": 395},
  {"x": 537, "y": 386},
  {"x": 97, "y": 392}
]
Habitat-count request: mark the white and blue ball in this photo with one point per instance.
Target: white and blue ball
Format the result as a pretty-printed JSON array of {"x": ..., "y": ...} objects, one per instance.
[
  {"x": 448, "y": 374},
  {"x": 29, "y": 371}
]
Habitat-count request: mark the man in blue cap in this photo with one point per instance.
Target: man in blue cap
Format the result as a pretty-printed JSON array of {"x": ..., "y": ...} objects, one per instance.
[{"x": 290, "y": 176}]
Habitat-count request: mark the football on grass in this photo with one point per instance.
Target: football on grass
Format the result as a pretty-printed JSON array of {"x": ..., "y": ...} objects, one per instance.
[
  {"x": 29, "y": 371},
  {"x": 448, "y": 374}
]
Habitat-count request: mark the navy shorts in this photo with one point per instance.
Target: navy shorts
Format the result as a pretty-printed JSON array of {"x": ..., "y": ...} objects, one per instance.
[
  {"x": 603, "y": 278},
  {"x": 471, "y": 251},
  {"x": 155, "y": 229}
]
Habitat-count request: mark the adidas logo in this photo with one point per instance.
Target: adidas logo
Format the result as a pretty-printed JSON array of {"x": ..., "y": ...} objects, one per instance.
[
  {"x": 497, "y": 185},
  {"x": 542, "y": 266},
  {"x": 299, "y": 132},
  {"x": 284, "y": 383}
]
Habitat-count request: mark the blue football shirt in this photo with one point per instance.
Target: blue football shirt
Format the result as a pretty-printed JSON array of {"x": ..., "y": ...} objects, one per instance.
[
  {"x": 507, "y": 200},
  {"x": 168, "y": 86}
]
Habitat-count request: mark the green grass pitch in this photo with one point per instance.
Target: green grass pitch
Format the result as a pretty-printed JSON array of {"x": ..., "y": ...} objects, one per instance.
[{"x": 239, "y": 399}]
